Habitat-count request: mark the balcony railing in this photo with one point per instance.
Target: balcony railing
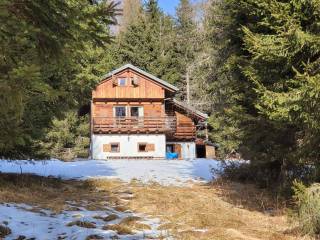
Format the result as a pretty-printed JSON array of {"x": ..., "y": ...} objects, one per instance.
[{"x": 134, "y": 124}]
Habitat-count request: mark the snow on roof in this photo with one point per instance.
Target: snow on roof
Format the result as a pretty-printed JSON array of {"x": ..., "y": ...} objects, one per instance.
[
  {"x": 190, "y": 109},
  {"x": 158, "y": 80}
]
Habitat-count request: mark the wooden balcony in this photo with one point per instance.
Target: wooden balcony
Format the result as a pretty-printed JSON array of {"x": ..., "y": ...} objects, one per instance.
[{"x": 134, "y": 124}]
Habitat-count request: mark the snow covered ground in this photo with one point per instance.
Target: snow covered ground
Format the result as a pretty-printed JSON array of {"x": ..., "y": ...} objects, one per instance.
[
  {"x": 166, "y": 172},
  {"x": 45, "y": 225},
  {"x": 28, "y": 221}
]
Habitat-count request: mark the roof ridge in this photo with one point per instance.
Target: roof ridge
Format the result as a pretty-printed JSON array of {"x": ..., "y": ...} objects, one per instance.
[{"x": 149, "y": 75}]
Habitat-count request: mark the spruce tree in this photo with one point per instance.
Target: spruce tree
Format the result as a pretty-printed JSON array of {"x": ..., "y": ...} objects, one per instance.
[
  {"x": 266, "y": 84},
  {"x": 185, "y": 43},
  {"x": 148, "y": 43},
  {"x": 41, "y": 44}
]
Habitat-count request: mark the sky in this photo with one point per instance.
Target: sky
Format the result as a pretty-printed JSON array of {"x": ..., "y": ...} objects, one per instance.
[{"x": 169, "y": 6}]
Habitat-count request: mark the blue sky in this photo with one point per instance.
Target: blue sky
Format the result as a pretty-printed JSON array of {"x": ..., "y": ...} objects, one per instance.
[{"x": 169, "y": 6}]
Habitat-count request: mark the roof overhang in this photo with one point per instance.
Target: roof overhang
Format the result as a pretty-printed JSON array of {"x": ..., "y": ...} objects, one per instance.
[
  {"x": 190, "y": 109},
  {"x": 161, "y": 82}
]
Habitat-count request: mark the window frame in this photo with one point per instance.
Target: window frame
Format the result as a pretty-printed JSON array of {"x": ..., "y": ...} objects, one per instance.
[
  {"x": 139, "y": 111},
  {"x": 142, "y": 143},
  {"x": 119, "y": 81},
  {"x": 115, "y": 111},
  {"x": 118, "y": 147}
]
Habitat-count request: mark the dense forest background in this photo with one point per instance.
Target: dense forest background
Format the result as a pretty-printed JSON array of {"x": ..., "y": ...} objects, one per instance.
[{"x": 252, "y": 65}]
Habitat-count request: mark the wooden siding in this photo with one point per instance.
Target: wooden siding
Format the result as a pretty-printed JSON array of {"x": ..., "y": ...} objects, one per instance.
[
  {"x": 146, "y": 88},
  {"x": 158, "y": 115},
  {"x": 150, "y": 109},
  {"x": 185, "y": 127}
]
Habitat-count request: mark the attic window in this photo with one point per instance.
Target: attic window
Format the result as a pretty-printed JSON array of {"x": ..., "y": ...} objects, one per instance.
[{"x": 122, "y": 82}]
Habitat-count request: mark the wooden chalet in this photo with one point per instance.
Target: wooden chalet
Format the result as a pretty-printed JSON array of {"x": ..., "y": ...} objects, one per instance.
[{"x": 134, "y": 115}]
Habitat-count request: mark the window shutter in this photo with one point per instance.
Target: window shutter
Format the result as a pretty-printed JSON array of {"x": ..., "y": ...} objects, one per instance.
[
  {"x": 135, "y": 81},
  {"x": 106, "y": 147},
  {"x": 150, "y": 147},
  {"x": 114, "y": 81}
]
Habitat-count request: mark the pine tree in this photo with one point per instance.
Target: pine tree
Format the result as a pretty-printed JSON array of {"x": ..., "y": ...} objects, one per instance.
[
  {"x": 148, "y": 43},
  {"x": 67, "y": 138},
  {"x": 130, "y": 13},
  {"x": 266, "y": 83},
  {"x": 186, "y": 45},
  {"x": 41, "y": 44}
]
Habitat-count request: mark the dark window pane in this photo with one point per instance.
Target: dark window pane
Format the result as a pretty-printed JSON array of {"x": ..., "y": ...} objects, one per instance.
[
  {"x": 142, "y": 147},
  {"x": 134, "y": 112},
  {"x": 120, "y": 111},
  {"x": 115, "y": 147}
]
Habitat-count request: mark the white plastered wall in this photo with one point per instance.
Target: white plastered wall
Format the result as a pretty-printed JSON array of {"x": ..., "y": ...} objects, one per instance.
[
  {"x": 188, "y": 149},
  {"x": 128, "y": 145}
]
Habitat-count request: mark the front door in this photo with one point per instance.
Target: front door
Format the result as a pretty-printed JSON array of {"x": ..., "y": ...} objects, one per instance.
[
  {"x": 136, "y": 114},
  {"x": 119, "y": 114}
]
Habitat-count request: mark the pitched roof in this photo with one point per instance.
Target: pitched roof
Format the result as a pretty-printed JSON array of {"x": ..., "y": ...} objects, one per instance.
[
  {"x": 190, "y": 109},
  {"x": 154, "y": 78}
]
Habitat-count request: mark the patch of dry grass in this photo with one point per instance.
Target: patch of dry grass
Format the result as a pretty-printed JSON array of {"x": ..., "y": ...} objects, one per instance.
[
  {"x": 127, "y": 225},
  {"x": 120, "y": 229},
  {"x": 4, "y": 231},
  {"x": 94, "y": 237},
  {"x": 56, "y": 194},
  {"x": 134, "y": 222},
  {"x": 225, "y": 211},
  {"x": 83, "y": 224},
  {"x": 108, "y": 218}
]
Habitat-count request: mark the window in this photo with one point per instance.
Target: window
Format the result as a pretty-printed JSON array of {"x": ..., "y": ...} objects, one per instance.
[
  {"x": 115, "y": 147},
  {"x": 120, "y": 111},
  {"x": 122, "y": 82},
  {"x": 142, "y": 147},
  {"x": 136, "y": 111}
]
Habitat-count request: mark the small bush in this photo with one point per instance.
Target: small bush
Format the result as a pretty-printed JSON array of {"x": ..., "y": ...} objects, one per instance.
[{"x": 308, "y": 207}]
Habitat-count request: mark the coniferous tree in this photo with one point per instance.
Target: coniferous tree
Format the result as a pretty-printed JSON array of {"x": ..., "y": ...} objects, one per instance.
[
  {"x": 130, "y": 13},
  {"x": 41, "y": 44},
  {"x": 186, "y": 45},
  {"x": 267, "y": 58},
  {"x": 148, "y": 43}
]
